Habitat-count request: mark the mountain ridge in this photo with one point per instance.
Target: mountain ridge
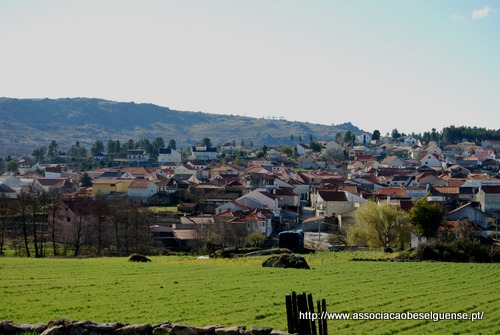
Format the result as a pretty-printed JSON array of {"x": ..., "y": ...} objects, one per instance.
[{"x": 29, "y": 123}]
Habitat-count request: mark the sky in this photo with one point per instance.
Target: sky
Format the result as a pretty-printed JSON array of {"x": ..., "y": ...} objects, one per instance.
[{"x": 380, "y": 64}]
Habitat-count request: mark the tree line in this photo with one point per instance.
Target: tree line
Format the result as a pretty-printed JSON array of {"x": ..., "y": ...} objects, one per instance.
[{"x": 40, "y": 224}]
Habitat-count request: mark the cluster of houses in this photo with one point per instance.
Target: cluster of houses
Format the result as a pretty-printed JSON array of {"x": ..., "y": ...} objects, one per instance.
[{"x": 268, "y": 195}]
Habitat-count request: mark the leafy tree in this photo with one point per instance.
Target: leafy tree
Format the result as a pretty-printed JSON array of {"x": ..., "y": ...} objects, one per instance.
[
  {"x": 53, "y": 150},
  {"x": 339, "y": 138},
  {"x": 146, "y": 145},
  {"x": 113, "y": 147},
  {"x": 85, "y": 180},
  {"x": 172, "y": 144},
  {"x": 376, "y": 135},
  {"x": 39, "y": 153},
  {"x": 97, "y": 148},
  {"x": 379, "y": 225},
  {"x": 206, "y": 142},
  {"x": 426, "y": 217},
  {"x": 395, "y": 134},
  {"x": 128, "y": 145},
  {"x": 3, "y": 166},
  {"x": 77, "y": 152},
  {"x": 158, "y": 143},
  {"x": 349, "y": 138},
  {"x": 12, "y": 165}
]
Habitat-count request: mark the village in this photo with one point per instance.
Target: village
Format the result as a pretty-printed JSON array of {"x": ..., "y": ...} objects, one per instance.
[{"x": 234, "y": 196}]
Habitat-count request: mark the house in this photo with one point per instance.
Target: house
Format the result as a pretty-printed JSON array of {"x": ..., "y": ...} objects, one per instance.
[
  {"x": 110, "y": 186},
  {"x": 410, "y": 140},
  {"x": 261, "y": 162},
  {"x": 489, "y": 198},
  {"x": 471, "y": 213},
  {"x": 303, "y": 149},
  {"x": 255, "y": 220},
  {"x": 402, "y": 181},
  {"x": 431, "y": 160},
  {"x": 287, "y": 197},
  {"x": 169, "y": 155},
  {"x": 364, "y": 139},
  {"x": 331, "y": 203},
  {"x": 261, "y": 199},
  {"x": 142, "y": 189},
  {"x": 11, "y": 181},
  {"x": 7, "y": 192},
  {"x": 52, "y": 172},
  {"x": 100, "y": 157},
  {"x": 307, "y": 161},
  {"x": 356, "y": 151},
  {"x": 392, "y": 162},
  {"x": 184, "y": 169},
  {"x": 137, "y": 156},
  {"x": 114, "y": 174},
  {"x": 48, "y": 184},
  {"x": 203, "y": 153},
  {"x": 228, "y": 147},
  {"x": 197, "y": 164}
]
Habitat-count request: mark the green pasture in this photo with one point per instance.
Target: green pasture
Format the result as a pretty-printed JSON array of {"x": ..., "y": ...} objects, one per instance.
[{"x": 192, "y": 291}]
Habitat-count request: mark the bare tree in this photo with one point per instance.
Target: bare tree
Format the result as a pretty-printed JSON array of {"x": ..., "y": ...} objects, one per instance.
[
  {"x": 22, "y": 209},
  {"x": 100, "y": 211},
  {"x": 53, "y": 203},
  {"x": 6, "y": 215}
]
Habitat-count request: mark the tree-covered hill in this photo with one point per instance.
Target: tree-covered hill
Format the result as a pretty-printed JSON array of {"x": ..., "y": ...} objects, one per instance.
[{"x": 28, "y": 123}]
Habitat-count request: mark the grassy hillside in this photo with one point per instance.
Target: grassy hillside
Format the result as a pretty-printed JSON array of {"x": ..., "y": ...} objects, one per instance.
[
  {"x": 240, "y": 291},
  {"x": 28, "y": 123}
]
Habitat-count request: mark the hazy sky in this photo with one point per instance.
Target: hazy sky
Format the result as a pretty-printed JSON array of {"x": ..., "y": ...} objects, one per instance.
[{"x": 381, "y": 64}]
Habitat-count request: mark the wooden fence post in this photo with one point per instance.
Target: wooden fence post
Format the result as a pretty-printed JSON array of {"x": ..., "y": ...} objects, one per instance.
[{"x": 300, "y": 312}]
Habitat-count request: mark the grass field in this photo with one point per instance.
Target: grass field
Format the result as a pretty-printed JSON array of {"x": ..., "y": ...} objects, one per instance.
[{"x": 239, "y": 291}]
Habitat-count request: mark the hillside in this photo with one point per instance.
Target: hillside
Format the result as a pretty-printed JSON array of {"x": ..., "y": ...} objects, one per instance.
[{"x": 28, "y": 123}]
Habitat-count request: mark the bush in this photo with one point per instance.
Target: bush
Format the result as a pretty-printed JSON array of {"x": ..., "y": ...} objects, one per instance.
[
  {"x": 255, "y": 239},
  {"x": 462, "y": 250}
]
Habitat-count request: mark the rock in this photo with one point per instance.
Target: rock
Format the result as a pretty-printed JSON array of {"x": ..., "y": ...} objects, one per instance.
[
  {"x": 133, "y": 330},
  {"x": 286, "y": 261},
  {"x": 55, "y": 330},
  {"x": 38, "y": 328},
  {"x": 183, "y": 330},
  {"x": 236, "y": 330},
  {"x": 9, "y": 327},
  {"x": 208, "y": 330},
  {"x": 162, "y": 330},
  {"x": 261, "y": 330},
  {"x": 103, "y": 327},
  {"x": 138, "y": 258}
]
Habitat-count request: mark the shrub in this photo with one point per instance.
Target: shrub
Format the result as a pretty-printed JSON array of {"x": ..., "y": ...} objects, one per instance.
[{"x": 462, "y": 250}]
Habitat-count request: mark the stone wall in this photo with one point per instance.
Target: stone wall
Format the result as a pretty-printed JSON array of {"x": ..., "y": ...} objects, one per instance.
[{"x": 67, "y": 327}]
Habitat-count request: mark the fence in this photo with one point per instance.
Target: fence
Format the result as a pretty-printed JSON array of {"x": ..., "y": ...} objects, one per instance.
[{"x": 300, "y": 312}]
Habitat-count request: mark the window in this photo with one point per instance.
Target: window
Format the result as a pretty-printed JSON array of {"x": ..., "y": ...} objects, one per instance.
[{"x": 68, "y": 219}]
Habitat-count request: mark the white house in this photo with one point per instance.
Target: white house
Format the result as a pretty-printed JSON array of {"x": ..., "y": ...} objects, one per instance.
[
  {"x": 410, "y": 140},
  {"x": 137, "y": 156},
  {"x": 168, "y": 155},
  {"x": 52, "y": 172},
  {"x": 364, "y": 139},
  {"x": 203, "y": 153},
  {"x": 142, "y": 189},
  {"x": 303, "y": 149},
  {"x": 392, "y": 162},
  {"x": 430, "y": 160}
]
